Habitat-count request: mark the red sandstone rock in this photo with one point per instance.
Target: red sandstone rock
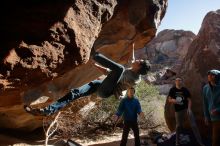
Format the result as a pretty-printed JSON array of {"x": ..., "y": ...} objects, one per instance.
[{"x": 45, "y": 47}]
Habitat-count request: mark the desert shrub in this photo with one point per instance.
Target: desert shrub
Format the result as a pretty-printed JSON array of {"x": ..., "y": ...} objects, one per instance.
[
  {"x": 72, "y": 123},
  {"x": 152, "y": 104}
]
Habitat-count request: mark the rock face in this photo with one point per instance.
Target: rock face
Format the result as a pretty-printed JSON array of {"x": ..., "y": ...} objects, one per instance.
[
  {"x": 135, "y": 22},
  {"x": 45, "y": 47},
  {"x": 166, "y": 52},
  {"x": 203, "y": 55},
  {"x": 167, "y": 49},
  {"x": 170, "y": 46}
]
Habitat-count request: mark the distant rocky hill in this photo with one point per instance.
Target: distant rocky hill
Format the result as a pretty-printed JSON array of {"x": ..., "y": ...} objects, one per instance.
[
  {"x": 168, "y": 47},
  {"x": 166, "y": 53}
]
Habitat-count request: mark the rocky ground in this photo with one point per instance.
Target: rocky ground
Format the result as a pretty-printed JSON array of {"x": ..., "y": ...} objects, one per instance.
[{"x": 113, "y": 140}]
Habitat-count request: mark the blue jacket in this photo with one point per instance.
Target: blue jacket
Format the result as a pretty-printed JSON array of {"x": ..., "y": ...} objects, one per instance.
[
  {"x": 129, "y": 107},
  {"x": 211, "y": 97}
]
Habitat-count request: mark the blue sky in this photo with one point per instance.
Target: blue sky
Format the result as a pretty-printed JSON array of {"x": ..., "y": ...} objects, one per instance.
[{"x": 187, "y": 14}]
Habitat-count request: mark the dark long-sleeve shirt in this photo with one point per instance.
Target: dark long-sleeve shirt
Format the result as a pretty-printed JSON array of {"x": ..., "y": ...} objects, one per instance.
[{"x": 129, "y": 107}]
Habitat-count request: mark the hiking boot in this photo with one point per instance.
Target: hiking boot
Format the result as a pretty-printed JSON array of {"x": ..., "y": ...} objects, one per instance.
[{"x": 35, "y": 111}]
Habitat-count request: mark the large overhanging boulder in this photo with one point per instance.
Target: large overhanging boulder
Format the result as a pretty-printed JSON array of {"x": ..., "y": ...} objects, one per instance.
[{"x": 46, "y": 45}]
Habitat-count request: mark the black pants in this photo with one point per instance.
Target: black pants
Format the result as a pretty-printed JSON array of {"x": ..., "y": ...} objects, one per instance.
[{"x": 126, "y": 129}]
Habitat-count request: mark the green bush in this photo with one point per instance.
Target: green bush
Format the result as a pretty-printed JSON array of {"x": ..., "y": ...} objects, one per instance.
[
  {"x": 152, "y": 104},
  {"x": 150, "y": 100},
  {"x": 100, "y": 117},
  {"x": 144, "y": 90}
]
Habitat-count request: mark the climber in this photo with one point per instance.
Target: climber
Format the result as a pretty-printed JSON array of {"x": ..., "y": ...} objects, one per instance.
[{"x": 117, "y": 80}]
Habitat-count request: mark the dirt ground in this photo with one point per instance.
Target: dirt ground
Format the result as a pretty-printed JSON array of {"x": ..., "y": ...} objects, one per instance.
[
  {"x": 114, "y": 140},
  {"x": 117, "y": 143}
]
